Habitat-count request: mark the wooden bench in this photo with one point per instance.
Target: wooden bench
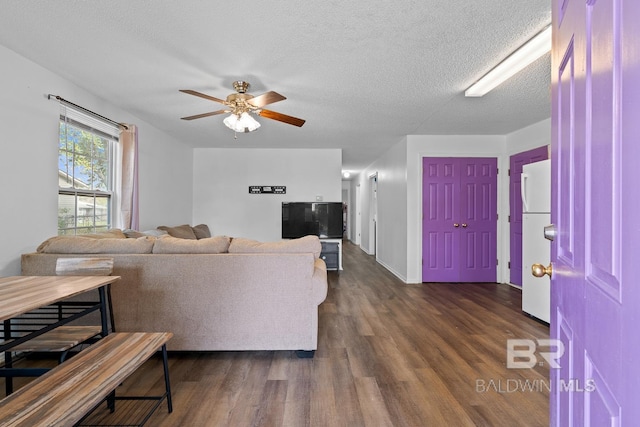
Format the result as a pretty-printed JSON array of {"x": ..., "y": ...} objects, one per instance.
[
  {"x": 61, "y": 340},
  {"x": 71, "y": 390}
]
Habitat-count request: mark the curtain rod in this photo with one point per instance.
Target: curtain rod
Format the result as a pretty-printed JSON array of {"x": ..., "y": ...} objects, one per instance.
[{"x": 59, "y": 98}]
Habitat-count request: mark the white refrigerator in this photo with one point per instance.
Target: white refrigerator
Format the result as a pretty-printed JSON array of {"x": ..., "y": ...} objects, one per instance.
[{"x": 536, "y": 214}]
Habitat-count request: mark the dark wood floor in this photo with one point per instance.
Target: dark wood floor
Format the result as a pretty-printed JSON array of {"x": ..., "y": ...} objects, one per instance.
[{"x": 389, "y": 354}]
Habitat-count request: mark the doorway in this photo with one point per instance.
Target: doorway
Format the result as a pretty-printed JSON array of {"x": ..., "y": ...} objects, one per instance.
[
  {"x": 358, "y": 215},
  {"x": 373, "y": 214},
  {"x": 346, "y": 220}
]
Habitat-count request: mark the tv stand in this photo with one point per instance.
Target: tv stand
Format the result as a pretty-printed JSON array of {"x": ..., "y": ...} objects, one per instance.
[{"x": 332, "y": 253}]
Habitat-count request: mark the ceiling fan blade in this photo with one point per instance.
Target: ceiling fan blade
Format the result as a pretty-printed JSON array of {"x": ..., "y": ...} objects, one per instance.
[
  {"x": 266, "y": 98},
  {"x": 281, "y": 117},
  {"x": 199, "y": 116},
  {"x": 202, "y": 95}
]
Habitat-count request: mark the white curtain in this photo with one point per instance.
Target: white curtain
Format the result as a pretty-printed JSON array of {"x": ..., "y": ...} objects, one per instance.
[{"x": 129, "y": 215}]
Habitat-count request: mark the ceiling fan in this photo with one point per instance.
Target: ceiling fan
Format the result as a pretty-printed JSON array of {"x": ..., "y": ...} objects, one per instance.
[{"x": 240, "y": 104}]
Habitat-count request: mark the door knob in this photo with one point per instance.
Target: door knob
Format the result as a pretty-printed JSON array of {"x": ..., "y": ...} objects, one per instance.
[
  {"x": 464, "y": 225},
  {"x": 539, "y": 270},
  {"x": 456, "y": 225}
]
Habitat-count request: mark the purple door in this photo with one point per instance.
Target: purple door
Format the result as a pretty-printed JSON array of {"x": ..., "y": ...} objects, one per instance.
[
  {"x": 440, "y": 222},
  {"x": 459, "y": 220},
  {"x": 515, "y": 208},
  {"x": 595, "y": 156}
]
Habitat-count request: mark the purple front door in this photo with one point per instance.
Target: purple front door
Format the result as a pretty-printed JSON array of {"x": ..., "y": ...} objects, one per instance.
[
  {"x": 515, "y": 208},
  {"x": 595, "y": 297},
  {"x": 459, "y": 220}
]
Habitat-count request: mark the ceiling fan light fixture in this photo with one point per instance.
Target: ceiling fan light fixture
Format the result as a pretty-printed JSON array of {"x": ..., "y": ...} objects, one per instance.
[
  {"x": 242, "y": 123},
  {"x": 231, "y": 121},
  {"x": 248, "y": 123}
]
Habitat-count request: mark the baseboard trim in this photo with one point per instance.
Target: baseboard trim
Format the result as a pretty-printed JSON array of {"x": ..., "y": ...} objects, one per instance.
[{"x": 392, "y": 271}]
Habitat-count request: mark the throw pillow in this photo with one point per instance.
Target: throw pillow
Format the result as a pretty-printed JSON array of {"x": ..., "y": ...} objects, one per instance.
[
  {"x": 132, "y": 234},
  {"x": 304, "y": 244},
  {"x": 201, "y": 231},
  {"x": 181, "y": 231},
  {"x": 208, "y": 245}
]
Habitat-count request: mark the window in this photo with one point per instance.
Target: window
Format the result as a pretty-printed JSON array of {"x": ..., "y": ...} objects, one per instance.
[{"x": 85, "y": 173}]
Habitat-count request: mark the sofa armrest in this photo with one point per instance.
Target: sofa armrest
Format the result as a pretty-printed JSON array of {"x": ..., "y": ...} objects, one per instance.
[{"x": 319, "y": 281}]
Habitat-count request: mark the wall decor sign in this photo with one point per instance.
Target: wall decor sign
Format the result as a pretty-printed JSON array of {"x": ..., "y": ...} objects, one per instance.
[{"x": 267, "y": 189}]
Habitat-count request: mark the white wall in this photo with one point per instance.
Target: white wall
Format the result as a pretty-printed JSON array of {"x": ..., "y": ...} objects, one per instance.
[
  {"x": 528, "y": 138},
  {"x": 166, "y": 173},
  {"x": 28, "y": 176},
  {"x": 222, "y": 177}
]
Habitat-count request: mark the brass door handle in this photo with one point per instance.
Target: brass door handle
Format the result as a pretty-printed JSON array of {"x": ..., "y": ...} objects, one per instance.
[
  {"x": 539, "y": 270},
  {"x": 456, "y": 225},
  {"x": 464, "y": 225}
]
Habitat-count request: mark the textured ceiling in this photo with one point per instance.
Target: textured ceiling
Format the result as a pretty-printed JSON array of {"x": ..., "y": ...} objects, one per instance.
[{"x": 362, "y": 73}]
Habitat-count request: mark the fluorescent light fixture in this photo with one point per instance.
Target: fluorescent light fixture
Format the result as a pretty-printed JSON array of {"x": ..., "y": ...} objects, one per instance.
[{"x": 539, "y": 45}]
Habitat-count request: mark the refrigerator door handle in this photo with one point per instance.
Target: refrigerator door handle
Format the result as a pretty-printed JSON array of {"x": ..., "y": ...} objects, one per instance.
[{"x": 523, "y": 192}]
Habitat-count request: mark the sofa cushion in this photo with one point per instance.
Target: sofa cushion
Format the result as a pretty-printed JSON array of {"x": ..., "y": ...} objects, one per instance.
[
  {"x": 114, "y": 233},
  {"x": 201, "y": 231},
  {"x": 175, "y": 245},
  {"x": 181, "y": 231},
  {"x": 88, "y": 245},
  {"x": 135, "y": 233},
  {"x": 306, "y": 244}
]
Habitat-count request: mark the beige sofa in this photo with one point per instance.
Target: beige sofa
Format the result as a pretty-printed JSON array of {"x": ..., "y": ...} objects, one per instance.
[{"x": 247, "y": 295}]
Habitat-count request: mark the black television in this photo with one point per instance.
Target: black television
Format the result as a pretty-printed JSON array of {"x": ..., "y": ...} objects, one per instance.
[{"x": 322, "y": 219}]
